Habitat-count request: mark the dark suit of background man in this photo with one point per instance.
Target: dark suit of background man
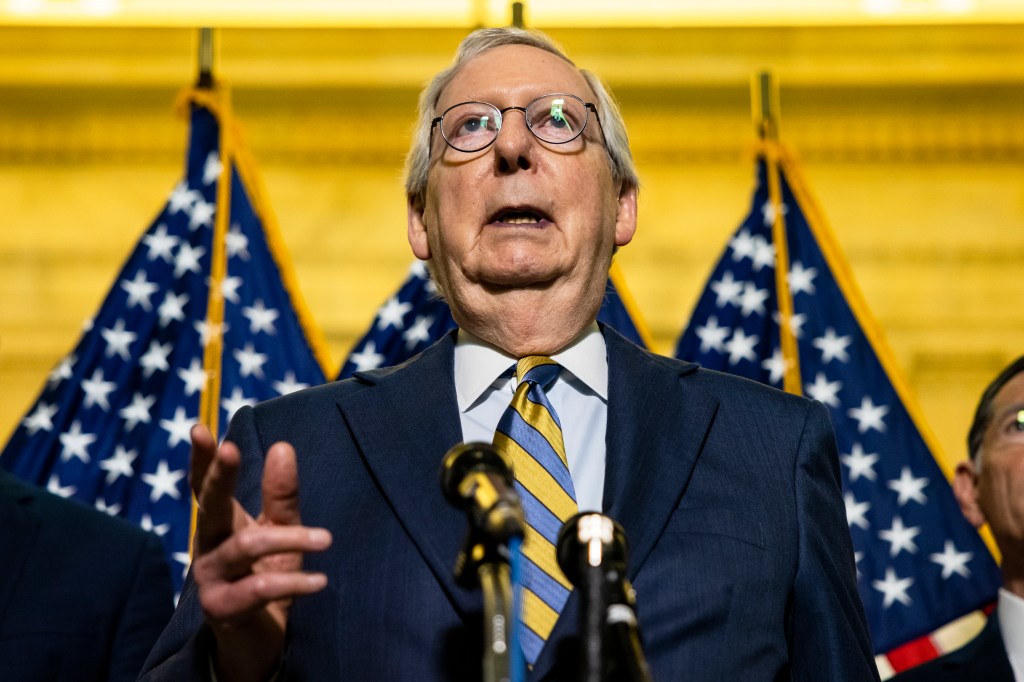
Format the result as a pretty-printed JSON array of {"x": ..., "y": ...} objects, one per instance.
[
  {"x": 728, "y": 491},
  {"x": 83, "y": 596},
  {"x": 990, "y": 489}
]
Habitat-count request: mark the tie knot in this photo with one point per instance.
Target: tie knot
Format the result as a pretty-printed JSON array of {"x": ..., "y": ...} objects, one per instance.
[{"x": 537, "y": 369}]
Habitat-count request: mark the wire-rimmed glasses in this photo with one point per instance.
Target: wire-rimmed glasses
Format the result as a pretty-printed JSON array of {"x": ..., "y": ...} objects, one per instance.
[{"x": 557, "y": 118}]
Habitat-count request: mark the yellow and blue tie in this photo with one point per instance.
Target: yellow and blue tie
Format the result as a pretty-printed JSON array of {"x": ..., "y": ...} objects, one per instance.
[{"x": 531, "y": 435}]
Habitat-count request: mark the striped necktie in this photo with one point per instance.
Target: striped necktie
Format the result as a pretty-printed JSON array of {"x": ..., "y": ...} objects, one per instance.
[{"x": 531, "y": 435}]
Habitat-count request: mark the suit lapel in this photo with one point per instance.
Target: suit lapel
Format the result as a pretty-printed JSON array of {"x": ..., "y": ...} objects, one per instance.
[
  {"x": 403, "y": 424},
  {"x": 656, "y": 428}
]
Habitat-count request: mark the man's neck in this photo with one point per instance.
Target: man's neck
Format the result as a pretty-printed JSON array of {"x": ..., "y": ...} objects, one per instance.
[{"x": 527, "y": 322}]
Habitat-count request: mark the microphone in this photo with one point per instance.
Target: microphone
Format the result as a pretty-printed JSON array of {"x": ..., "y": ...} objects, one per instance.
[
  {"x": 477, "y": 477},
  {"x": 592, "y": 552}
]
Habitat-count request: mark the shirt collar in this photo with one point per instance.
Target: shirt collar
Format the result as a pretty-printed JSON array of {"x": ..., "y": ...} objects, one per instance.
[
  {"x": 479, "y": 365},
  {"x": 1010, "y": 610}
]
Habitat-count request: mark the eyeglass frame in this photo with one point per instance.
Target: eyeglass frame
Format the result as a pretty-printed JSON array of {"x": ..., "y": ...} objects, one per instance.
[{"x": 587, "y": 107}]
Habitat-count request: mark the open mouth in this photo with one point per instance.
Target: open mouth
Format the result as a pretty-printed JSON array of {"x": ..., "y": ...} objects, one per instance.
[{"x": 520, "y": 217}]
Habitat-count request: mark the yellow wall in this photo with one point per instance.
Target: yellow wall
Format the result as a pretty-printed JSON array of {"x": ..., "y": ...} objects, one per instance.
[{"x": 911, "y": 136}]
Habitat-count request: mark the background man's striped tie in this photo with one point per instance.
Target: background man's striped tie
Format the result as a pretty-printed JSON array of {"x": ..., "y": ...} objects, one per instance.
[{"x": 531, "y": 435}]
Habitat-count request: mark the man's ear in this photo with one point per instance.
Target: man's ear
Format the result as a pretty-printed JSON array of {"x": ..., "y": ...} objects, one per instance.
[
  {"x": 417, "y": 228},
  {"x": 625, "y": 220},
  {"x": 965, "y": 488}
]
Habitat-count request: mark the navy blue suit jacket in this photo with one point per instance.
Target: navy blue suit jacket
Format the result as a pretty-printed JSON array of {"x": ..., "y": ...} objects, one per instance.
[
  {"x": 728, "y": 491},
  {"x": 983, "y": 659},
  {"x": 83, "y": 596}
]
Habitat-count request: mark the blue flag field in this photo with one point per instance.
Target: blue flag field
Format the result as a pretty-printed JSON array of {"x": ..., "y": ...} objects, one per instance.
[
  {"x": 111, "y": 425},
  {"x": 781, "y": 307}
]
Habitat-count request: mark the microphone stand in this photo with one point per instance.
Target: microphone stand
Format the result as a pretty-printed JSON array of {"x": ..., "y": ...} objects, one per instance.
[
  {"x": 594, "y": 603},
  {"x": 497, "y": 589},
  {"x": 478, "y": 478},
  {"x": 627, "y": 662},
  {"x": 486, "y": 562}
]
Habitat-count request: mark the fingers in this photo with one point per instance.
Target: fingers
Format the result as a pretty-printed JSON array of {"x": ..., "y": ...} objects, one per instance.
[
  {"x": 204, "y": 448},
  {"x": 279, "y": 548},
  {"x": 217, "y": 505},
  {"x": 230, "y": 601},
  {"x": 256, "y": 566},
  {"x": 244, "y": 566},
  {"x": 281, "y": 486}
]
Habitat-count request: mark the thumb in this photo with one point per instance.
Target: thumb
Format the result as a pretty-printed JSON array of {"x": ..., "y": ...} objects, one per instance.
[{"x": 281, "y": 485}]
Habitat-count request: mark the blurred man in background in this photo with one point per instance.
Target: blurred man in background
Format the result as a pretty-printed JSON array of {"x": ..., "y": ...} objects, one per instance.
[{"x": 990, "y": 489}]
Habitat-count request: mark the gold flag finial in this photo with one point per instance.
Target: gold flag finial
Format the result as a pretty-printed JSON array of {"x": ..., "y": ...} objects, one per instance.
[{"x": 764, "y": 104}]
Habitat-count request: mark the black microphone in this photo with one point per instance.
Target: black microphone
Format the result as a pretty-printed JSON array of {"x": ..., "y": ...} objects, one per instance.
[
  {"x": 477, "y": 477},
  {"x": 592, "y": 553}
]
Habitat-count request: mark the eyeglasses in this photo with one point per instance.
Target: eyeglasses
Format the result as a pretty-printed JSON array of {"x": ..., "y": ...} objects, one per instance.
[{"x": 558, "y": 118}]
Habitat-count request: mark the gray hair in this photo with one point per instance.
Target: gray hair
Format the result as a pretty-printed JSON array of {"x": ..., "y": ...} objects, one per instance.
[{"x": 417, "y": 163}]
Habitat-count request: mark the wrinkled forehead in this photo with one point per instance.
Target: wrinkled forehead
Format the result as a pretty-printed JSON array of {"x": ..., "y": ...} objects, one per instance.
[{"x": 513, "y": 75}]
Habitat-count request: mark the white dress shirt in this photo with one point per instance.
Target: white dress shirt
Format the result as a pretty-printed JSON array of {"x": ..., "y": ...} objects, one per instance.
[
  {"x": 1010, "y": 610},
  {"x": 485, "y": 383}
]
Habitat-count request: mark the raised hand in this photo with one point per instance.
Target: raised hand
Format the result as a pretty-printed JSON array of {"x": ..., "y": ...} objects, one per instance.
[{"x": 248, "y": 570}]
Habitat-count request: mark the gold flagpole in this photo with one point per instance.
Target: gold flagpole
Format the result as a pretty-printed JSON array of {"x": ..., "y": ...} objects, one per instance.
[
  {"x": 765, "y": 109},
  {"x": 209, "y": 409},
  {"x": 205, "y": 78},
  {"x": 209, "y": 402},
  {"x": 517, "y": 15}
]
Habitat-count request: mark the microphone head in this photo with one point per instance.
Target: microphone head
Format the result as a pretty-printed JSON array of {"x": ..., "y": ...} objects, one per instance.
[
  {"x": 465, "y": 458},
  {"x": 591, "y": 540}
]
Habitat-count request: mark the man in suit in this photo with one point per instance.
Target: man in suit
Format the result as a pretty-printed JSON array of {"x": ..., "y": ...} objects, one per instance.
[
  {"x": 336, "y": 560},
  {"x": 990, "y": 489},
  {"x": 83, "y": 596}
]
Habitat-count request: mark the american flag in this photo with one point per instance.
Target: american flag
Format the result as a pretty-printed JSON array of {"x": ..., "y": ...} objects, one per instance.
[
  {"x": 111, "y": 426},
  {"x": 920, "y": 564},
  {"x": 416, "y": 316}
]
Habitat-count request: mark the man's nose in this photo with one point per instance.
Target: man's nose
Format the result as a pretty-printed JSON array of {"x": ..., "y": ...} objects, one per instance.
[{"x": 514, "y": 143}]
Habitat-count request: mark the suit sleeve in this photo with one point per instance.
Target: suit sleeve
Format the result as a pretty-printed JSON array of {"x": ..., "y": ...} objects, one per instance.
[{"x": 827, "y": 630}]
